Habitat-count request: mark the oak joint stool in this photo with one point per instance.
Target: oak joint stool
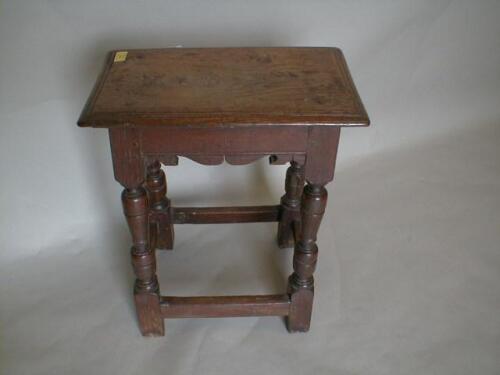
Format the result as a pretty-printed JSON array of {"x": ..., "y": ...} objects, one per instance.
[{"x": 224, "y": 104}]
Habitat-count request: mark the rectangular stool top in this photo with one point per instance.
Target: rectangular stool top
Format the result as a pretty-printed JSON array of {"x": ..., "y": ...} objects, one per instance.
[{"x": 225, "y": 87}]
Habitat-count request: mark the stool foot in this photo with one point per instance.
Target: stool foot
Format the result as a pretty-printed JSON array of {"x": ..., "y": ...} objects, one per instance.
[
  {"x": 290, "y": 205},
  {"x": 156, "y": 185},
  {"x": 301, "y": 301},
  {"x": 149, "y": 316},
  {"x": 301, "y": 282}
]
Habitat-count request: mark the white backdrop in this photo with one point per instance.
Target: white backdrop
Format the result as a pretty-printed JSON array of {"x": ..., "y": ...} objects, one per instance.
[{"x": 426, "y": 170}]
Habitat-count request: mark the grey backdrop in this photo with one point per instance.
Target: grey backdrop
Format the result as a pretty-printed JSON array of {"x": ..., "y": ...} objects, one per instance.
[{"x": 408, "y": 280}]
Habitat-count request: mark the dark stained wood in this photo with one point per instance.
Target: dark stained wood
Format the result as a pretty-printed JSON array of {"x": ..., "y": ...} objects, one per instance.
[
  {"x": 214, "y": 105},
  {"x": 225, "y": 86},
  {"x": 321, "y": 154},
  {"x": 290, "y": 203},
  {"x": 159, "y": 204},
  {"x": 221, "y": 215},
  {"x": 225, "y": 306},
  {"x": 301, "y": 282},
  {"x": 146, "y": 289},
  {"x": 296, "y": 227},
  {"x": 260, "y": 140},
  {"x": 127, "y": 155},
  {"x": 149, "y": 316}
]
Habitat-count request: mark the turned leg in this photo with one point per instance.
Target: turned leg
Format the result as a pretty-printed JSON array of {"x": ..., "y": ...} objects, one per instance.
[
  {"x": 301, "y": 282},
  {"x": 156, "y": 185},
  {"x": 146, "y": 290},
  {"x": 290, "y": 205}
]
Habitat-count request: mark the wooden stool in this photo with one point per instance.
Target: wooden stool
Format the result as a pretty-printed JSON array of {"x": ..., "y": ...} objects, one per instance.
[{"x": 211, "y": 105}]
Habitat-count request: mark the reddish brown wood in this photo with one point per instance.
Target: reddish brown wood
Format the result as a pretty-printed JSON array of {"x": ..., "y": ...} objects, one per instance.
[
  {"x": 241, "y": 141},
  {"x": 237, "y": 86},
  {"x": 214, "y": 105},
  {"x": 221, "y": 215},
  {"x": 301, "y": 282},
  {"x": 159, "y": 204},
  {"x": 290, "y": 204},
  {"x": 224, "y": 306},
  {"x": 128, "y": 164},
  {"x": 296, "y": 227},
  {"x": 321, "y": 154},
  {"x": 149, "y": 315},
  {"x": 146, "y": 290}
]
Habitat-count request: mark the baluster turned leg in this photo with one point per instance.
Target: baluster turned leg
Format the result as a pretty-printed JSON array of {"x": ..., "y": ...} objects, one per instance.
[
  {"x": 156, "y": 185},
  {"x": 290, "y": 205},
  {"x": 146, "y": 290},
  {"x": 301, "y": 282}
]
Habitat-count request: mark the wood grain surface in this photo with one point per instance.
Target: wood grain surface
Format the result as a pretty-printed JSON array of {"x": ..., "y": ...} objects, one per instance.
[{"x": 225, "y": 86}]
